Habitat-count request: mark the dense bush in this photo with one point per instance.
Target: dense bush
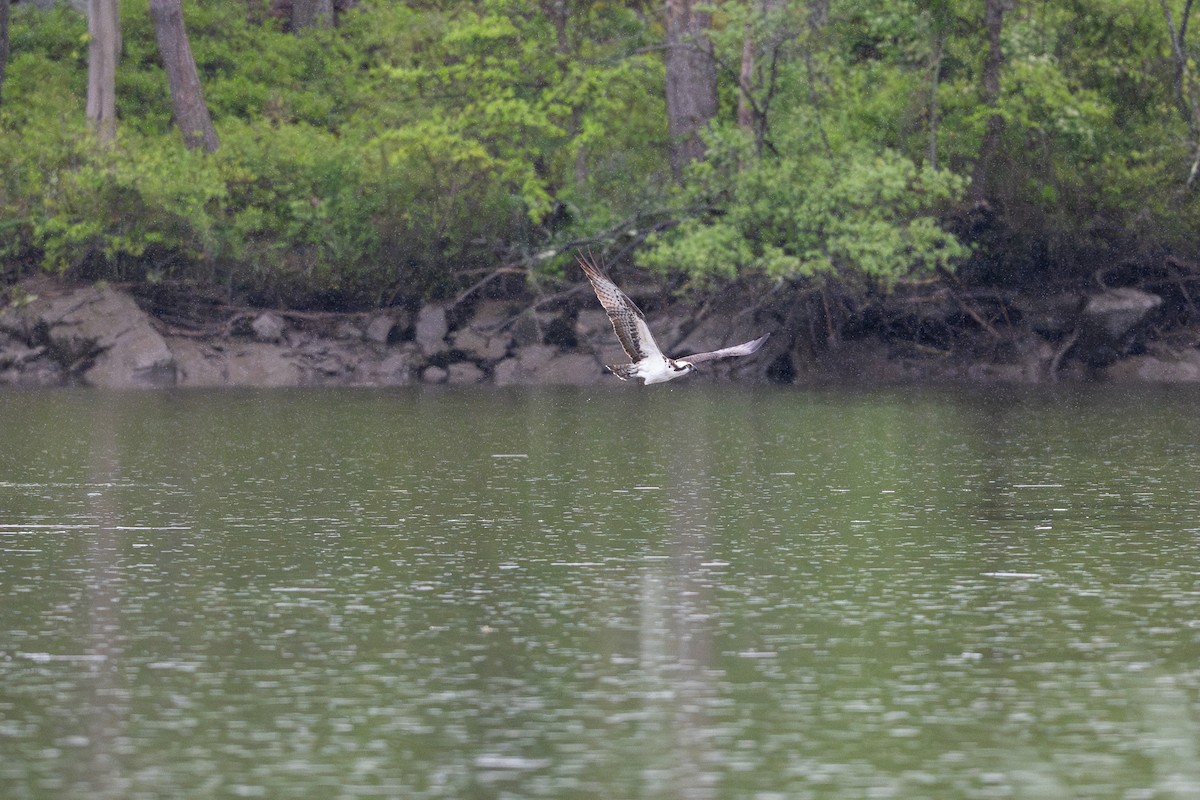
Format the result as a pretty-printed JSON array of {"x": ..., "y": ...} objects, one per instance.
[
  {"x": 415, "y": 144},
  {"x": 356, "y": 166},
  {"x": 854, "y": 215}
]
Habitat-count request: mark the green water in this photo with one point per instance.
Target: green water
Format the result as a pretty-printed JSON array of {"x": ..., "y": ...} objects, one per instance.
[{"x": 678, "y": 592}]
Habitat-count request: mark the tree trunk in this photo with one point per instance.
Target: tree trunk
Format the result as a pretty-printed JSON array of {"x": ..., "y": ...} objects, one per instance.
[
  {"x": 104, "y": 46},
  {"x": 187, "y": 97},
  {"x": 745, "y": 110},
  {"x": 993, "y": 62},
  {"x": 691, "y": 82},
  {"x": 1185, "y": 95},
  {"x": 818, "y": 14},
  {"x": 936, "y": 55},
  {"x": 312, "y": 14},
  {"x": 765, "y": 34},
  {"x": 3, "y": 42}
]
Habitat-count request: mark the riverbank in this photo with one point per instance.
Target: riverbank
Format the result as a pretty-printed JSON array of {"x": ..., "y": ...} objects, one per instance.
[{"x": 54, "y": 333}]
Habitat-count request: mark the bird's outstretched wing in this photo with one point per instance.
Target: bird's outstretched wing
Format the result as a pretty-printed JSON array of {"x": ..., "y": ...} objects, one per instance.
[
  {"x": 743, "y": 349},
  {"x": 627, "y": 319}
]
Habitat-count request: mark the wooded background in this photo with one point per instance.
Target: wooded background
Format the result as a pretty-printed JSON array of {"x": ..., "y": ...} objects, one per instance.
[{"x": 343, "y": 155}]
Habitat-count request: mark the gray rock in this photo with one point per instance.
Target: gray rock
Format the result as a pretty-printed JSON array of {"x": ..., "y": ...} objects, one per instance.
[
  {"x": 1115, "y": 312},
  {"x": 464, "y": 372},
  {"x": 1108, "y": 325},
  {"x": 250, "y": 364},
  {"x": 468, "y": 340},
  {"x": 320, "y": 362},
  {"x": 268, "y": 327},
  {"x": 396, "y": 369},
  {"x": 17, "y": 355},
  {"x": 99, "y": 333},
  {"x": 434, "y": 374},
  {"x": 348, "y": 330},
  {"x": 1166, "y": 367},
  {"x": 381, "y": 329},
  {"x": 27, "y": 366},
  {"x": 536, "y": 356},
  {"x": 331, "y": 369},
  {"x": 197, "y": 364},
  {"x": 526, "y": 331},
  {"x": 481, "y": 346},
  {"x": 262, "y": 365},
  {"x": 543, "y": 328},
  {"x": 431, "y": 329},
  {"x": 489, "y": 315},
  {"x": 541, "y": 364},
  {"x": 508, "y": 373},
  {"x": 571, "y": 369}
]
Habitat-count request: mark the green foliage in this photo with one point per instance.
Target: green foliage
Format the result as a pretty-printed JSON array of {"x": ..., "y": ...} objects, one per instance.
[
  {"x": 355, "y": 164},
  {"x": 131, "y": 201},
  {"x": 495, "y": 79},
  {"x": 379, "y": 158},
  {"x": 833, "y": 194},
  {"x": 851, "y": 216},
  {"x": 298, "y": 213}
]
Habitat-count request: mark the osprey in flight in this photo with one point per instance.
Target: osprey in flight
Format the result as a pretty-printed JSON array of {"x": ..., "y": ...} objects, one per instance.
[{"x": 629, "y": 322}]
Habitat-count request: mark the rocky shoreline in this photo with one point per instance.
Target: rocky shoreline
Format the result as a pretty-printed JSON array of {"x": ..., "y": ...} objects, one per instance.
[{"x": 55, "y": 334}]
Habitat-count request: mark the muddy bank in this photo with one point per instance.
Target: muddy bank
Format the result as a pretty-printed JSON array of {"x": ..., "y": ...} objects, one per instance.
[{"x": 55, "y": 334}]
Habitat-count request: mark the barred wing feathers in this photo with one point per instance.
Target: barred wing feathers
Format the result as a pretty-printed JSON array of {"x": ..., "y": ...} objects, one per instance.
[{"x": 627, "y": 319}]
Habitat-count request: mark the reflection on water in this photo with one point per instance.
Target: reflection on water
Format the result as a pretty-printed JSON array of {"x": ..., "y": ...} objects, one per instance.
[{"x": 683, "y": 593}]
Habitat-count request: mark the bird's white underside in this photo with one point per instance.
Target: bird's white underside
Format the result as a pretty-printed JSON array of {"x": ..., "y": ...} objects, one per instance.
[{"x": 657, "y": 369}]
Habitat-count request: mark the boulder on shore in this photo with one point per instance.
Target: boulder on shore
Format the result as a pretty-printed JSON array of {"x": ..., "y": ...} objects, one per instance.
[
  {"x": 98, "y": 335},
  {"x": 431, "y": 329}
]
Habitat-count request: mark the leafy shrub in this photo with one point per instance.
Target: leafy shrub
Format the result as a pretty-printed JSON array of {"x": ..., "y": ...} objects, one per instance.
[
  {"x": 356, "y": 164},
  {"x": 852, "y": 216},
  {"x": 122, "y": 204}
]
